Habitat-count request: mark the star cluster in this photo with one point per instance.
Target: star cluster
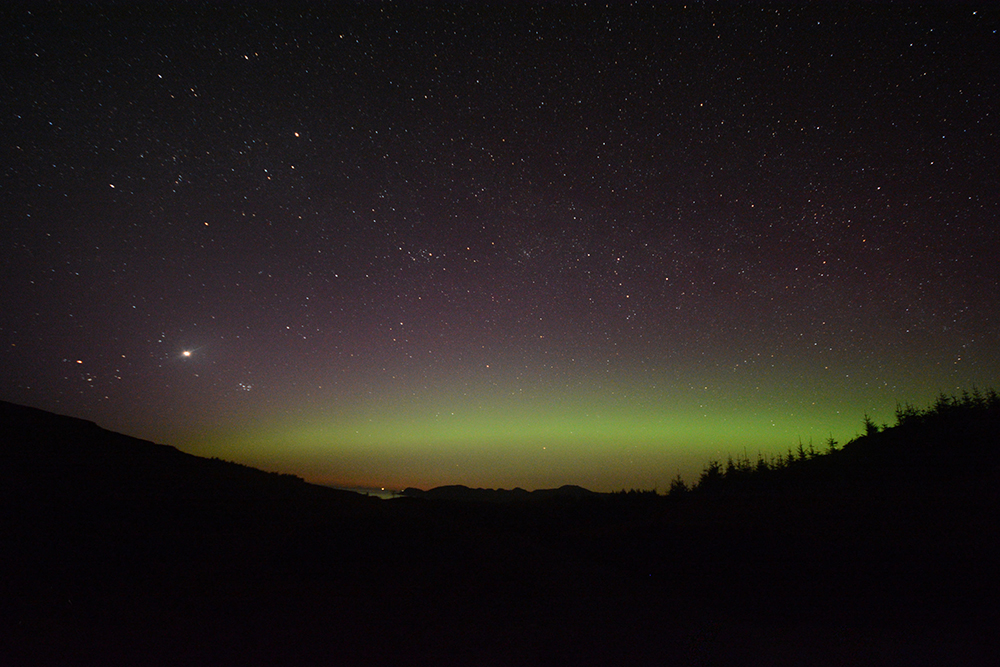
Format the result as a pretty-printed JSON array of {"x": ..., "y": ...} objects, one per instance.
[{"x": 500, "y": 245}]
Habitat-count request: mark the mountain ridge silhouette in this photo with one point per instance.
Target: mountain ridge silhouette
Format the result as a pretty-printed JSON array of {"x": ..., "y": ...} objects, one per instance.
[{"x": 123, "y": 551}]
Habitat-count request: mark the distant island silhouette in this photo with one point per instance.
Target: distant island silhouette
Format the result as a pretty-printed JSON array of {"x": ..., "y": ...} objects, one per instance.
[
  {"x": 119, "y": 551},
  {"x": 460, "y": 492}
]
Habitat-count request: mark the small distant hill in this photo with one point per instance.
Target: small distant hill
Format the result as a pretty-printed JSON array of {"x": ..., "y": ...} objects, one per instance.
[{"x": 459, "y": 492}]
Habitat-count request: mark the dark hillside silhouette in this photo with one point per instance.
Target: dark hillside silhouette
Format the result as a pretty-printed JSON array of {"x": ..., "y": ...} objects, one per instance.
[
  {"x": 954, "y": 443},
  {"x": 118, "y": 551}
]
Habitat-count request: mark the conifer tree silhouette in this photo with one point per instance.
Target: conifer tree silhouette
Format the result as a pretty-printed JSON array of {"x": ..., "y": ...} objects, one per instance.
[{"x": 678, "y": 487}]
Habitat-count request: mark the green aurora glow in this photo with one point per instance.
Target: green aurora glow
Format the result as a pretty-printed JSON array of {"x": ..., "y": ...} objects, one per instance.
[{"x": 507, "y": 436}]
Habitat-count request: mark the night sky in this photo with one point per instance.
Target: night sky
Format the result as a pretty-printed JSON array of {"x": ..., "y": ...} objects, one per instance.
[{"x": 515, "y": 245}]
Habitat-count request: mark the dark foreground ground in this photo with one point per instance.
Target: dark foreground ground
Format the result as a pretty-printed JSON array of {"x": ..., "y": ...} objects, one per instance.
[{"x": 118, "y": 552}]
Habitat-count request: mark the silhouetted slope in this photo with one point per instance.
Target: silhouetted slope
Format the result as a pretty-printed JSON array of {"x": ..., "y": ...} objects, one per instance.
[
  {"x": 955, "y": 441},
  {"x": 71, "y": 479},
  {"x": 107, "y": 535},
  {"x": 119, "y": 551},
  {"x": 954, "y": 444}
]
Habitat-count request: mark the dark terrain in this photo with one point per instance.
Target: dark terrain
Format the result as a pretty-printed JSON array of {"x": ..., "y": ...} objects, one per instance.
[{"x": 883, "y": 552}]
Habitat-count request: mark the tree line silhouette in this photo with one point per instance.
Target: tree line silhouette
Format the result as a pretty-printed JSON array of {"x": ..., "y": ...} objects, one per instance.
[{"x": 955, "y": 435}]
